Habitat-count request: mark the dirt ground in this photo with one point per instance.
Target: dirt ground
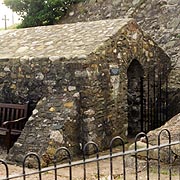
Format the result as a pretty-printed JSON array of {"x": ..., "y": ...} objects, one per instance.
[
  {"x": 104, "y": 169},
  {"x": 91, "y": 172}
]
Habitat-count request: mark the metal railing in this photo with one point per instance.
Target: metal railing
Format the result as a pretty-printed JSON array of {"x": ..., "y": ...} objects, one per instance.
[{"x": 117, "y": 162}]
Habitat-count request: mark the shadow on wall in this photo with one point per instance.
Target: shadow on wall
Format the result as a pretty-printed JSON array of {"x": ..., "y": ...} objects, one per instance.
[{"x": 134, "y": 73}]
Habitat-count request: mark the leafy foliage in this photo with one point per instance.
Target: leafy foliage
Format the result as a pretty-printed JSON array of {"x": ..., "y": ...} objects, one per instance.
[{"x": 39, "y": 12}]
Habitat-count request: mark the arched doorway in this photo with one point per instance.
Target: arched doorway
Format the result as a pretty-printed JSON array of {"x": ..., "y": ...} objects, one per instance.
[{"x": 135, "y": 75}]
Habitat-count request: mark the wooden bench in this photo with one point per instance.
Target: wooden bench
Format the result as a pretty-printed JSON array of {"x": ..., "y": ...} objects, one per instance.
[{"x": 12, "y": 120}]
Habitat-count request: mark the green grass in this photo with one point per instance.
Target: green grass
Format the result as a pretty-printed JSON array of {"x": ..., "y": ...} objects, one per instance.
[
  {"x": 178, "y": 36},
  {"x": 163, "y": 171},
  {"x": 14, "y": 26}
]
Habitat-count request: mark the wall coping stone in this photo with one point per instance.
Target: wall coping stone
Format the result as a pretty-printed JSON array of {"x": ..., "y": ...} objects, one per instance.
[{"x": 63, "y": 41}]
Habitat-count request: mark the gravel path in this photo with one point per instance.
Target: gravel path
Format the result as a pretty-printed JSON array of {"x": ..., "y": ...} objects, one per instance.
[{"x": 77, "y": 171}]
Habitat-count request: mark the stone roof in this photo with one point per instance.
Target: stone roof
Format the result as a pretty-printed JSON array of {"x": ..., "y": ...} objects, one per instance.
[{"x": 65, "y": 40}]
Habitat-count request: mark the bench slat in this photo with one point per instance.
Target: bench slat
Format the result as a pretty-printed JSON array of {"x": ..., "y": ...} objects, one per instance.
[{"x": 12, "y": 120}]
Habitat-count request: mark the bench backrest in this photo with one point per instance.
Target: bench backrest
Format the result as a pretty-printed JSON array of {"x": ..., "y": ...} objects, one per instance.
[{"x": 11, "y": 112}]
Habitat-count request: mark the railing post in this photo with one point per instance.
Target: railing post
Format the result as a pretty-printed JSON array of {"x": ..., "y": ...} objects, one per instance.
[
  {"x": 38, "y": 162},
  {"x": 69, "y": 160},
  {"x": 159, "y": 157},
  {"x": 97, "y": 157},
  {"x": 111, "y": 164},
  {"x": 6, "y": 167},
  {"x": 142, "y": 134}
]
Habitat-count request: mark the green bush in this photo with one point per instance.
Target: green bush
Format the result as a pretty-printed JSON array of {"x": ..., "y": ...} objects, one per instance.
[{"x": 40, "y": 12}]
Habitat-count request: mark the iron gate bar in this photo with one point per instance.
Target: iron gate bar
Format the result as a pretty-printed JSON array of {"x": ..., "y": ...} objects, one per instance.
[
  {"x": 151, "y": 113},
  {"x": 154, "y": 100},
  {"x": 154, "y": 89},
  {"x": 167, "y": 98},
  {"x": 142, "y": 104},
  {"x": 165, "y": 102},
  {"x": 160, "y": 99},
  {"x": 145, "y": 117},
  {"x": 148, "y": 103}
]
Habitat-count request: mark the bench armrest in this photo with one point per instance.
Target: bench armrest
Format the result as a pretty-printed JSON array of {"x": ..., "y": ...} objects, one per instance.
[{"x": 14, "y": 121}]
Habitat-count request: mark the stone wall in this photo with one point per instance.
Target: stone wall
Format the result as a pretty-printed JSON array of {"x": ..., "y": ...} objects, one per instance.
[
  {"x": 160, "y": 19},
  {"x": 77, "y": 99}
]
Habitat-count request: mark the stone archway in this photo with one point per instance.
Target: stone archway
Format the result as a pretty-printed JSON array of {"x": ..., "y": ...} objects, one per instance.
[{"x": 135, "y": 74}]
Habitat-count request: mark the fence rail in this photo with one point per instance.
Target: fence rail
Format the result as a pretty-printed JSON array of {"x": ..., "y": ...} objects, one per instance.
[{"x": 117, "y": 163}]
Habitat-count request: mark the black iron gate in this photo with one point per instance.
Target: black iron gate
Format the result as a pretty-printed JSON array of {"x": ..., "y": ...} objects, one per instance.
[
  {"x": 147, "y": 97},
  {"x": 154, "y": 100}
]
